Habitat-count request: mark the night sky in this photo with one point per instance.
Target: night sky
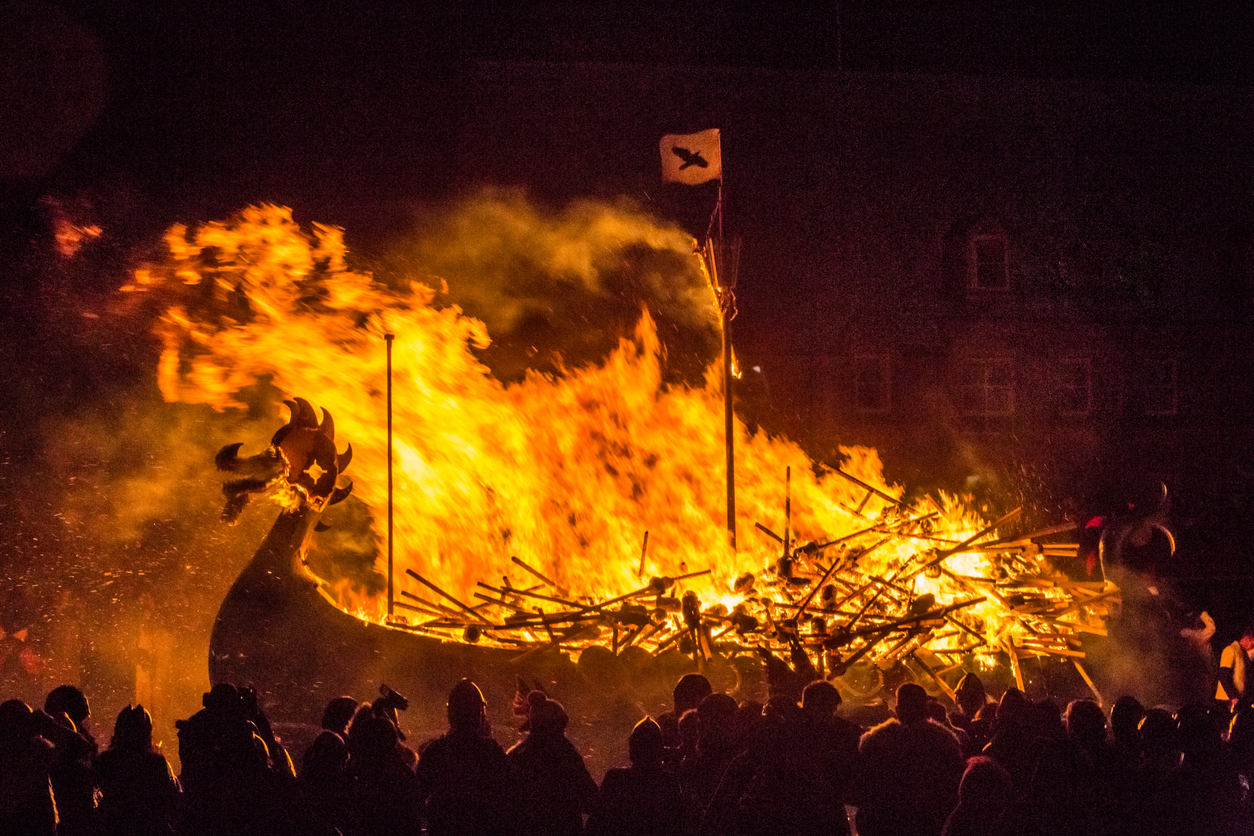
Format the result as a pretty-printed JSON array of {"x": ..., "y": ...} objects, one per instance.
[
  {"x": 140, "y": 115},
  {"x": 337, "y": 109}
]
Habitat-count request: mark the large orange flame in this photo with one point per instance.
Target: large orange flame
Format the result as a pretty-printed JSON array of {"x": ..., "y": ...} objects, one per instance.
[{"x": 564, "y": 472}]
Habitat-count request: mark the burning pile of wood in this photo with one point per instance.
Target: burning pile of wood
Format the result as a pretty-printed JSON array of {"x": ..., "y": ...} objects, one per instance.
[{"x": 819, "y": 604}]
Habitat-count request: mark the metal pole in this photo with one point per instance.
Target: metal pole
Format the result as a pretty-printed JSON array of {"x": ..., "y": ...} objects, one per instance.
[
  {"x": 725, "y": 305},
  {"x": 728, "y": 425},
  {"x": 388, "y": 339}
]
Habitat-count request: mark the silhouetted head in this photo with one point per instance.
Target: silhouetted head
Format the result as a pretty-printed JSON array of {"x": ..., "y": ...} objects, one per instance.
[
  {"x": 911, "y": 704},
  {"x": 1086, "y": 724},
  {"x": 1014, "y": 709},
  {"x": 466, "y": 707},
  {"x": 820, "y": 698},
  {"x": 1158, "y": 730},
  {"x": 70, "y": 701},
  {"x": 986, "y": 783},
  {"x": 644, "y": 745},
  {"x": 546, "y": 716},
  {"x": 132, "y": 729},
  {"x": 326, "y": 756},
  {"x": 781, "y": 708},
  {"x": 688, "y": 693},
  {"x": 715, "y": 716},
  {"x": 376, "y": 736},
  {"x": 338, "y": 714},
  {"x": 223, "y": 696},
  {"x": 1196, "y": 733},
  {"x": 970, "y": 694},
  {"x": 1125, "y": 719}
]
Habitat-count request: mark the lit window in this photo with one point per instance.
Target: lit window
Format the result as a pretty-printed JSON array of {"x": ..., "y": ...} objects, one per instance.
[
  {"x": 1161, "y": 393},
  {"x": 1075, "y": 387},
  {"x": 872, "y": 390},
  {"x": 986, "y": 388},
  {"x": 988, "y": 262}
]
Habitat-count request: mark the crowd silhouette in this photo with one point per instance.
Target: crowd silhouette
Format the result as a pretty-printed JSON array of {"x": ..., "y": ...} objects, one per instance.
[{"x": 710, "y": 766}]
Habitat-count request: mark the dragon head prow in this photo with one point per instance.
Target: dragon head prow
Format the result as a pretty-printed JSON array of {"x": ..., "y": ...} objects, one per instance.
[{"x": 301, "y": 465}]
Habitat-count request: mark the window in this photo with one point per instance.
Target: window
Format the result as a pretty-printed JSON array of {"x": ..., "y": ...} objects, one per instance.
[
  {"x": 986, "y": 388},
  {"x": 872, "y": 389},
  {"x": 1161, "y": 394},
  {"x": 1075, "y": 387},
  {"x": 988, "y": 262}
]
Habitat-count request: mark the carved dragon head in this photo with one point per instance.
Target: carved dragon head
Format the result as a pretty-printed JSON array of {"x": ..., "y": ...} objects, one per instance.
[{"x": 301, "y": 457}]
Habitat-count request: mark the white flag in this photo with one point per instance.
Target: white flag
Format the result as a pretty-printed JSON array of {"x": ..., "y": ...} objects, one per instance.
[{"x": 691, "y": 158}]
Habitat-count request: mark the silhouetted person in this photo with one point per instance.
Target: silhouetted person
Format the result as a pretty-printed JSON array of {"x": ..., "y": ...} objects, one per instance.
[
  {"x": 230, "y": 782},
  {"x": 971, "y": 697},
  {"x": 139, "y": 795},
  {"x": 324, "y": 784},
  {"x": 1101, "y": 781},
  {"x": 1124, "y": 784},
  {"x": 1160, "y": 758},
  {"x": 1241, "y": 751},
  {"x": 73, "y": 772},
  {"x": 1014, "y": 743},
  {"x": 1203, "y": 793},
  {"x": 828, "y": 746},
  {"x": 1125, "y": 721},
  {"x": 984, "y": 795},
  {"x": 700, "y": 774},
  {"x": 687, "y": 694},
  {"x": 554, "y": 788},
  {"x": 1241, "y": 741},
  {"x": 798, "y": 767},
  {"x": 463, "y": 775},
  {"x": 386, "y": 708},
  {"x": 936, "y": 712},
  {"x": 1235, "y": 683},
  {"x": 338, "y": 714},
  {"x": 908, "y": 773},
  {"x": 640, "y": 800},
  {"x": 1052, "y": 804},
  {"x": 383, "y": 790},
  {"x": 28, "y": 740}
]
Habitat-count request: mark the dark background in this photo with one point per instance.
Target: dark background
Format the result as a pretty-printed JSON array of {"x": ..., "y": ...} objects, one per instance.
[{"x": 137, "y": 116}]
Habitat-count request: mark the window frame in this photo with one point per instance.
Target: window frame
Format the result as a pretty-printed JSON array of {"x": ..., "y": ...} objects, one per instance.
[
  {"x": 973, "y": 262},
  {"x": 962, "y": 387}
]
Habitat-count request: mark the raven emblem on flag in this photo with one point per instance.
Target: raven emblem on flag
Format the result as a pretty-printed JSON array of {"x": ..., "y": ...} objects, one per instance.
[{"x": 689, "y": 157}]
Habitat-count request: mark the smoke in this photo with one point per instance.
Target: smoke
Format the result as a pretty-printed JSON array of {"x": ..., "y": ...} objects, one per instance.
[
  {"x": 563, "y": 286},
  {"x": 115, "y": 559},
  {"x": 1145, "y": 654}
]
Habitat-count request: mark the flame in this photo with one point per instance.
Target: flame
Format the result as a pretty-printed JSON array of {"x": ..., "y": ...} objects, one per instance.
[{"x": 557, "y": 475}]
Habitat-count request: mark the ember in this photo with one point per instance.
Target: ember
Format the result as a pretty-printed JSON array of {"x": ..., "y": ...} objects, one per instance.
[{"x": 595, "y": 496}]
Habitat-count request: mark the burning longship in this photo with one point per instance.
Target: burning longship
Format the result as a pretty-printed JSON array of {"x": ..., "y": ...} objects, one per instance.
[{"x": 573, "y": 515}]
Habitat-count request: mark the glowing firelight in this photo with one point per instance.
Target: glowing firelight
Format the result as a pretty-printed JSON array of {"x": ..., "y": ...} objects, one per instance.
[{"x": 565, "y": 472}]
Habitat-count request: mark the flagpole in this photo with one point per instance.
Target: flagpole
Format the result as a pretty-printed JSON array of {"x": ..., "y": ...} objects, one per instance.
[
  {"x": 693, "y": 159},
  {"x": 726, "y": 305},
  {"x": 388, "y": 338}
]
